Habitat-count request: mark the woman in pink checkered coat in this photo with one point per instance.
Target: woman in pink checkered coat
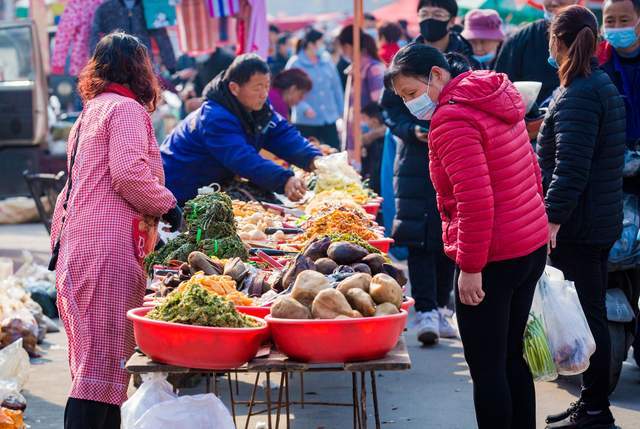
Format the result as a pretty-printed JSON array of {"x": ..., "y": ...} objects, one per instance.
[{"x": 116, "y": 186}]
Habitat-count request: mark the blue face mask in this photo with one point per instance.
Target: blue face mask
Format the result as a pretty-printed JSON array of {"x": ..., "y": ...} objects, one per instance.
[
  {"x": 364, "y": 128},
  {"x": 552, "y": 62},
  {"x": 486, "y": 58},
  {"x": 621, "y": 38},
  {"x": 402, "y": 43},
  {"x": 422, "y": 107}
]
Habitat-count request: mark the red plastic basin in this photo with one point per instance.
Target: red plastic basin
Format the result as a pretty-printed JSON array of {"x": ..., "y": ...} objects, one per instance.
[
  {"x": 372, "y": 208},
  {"x": 149, "y": 297},
  {"x": 410, "y": 302},
  {"x": 199, "y": 347},
  {"x": 382, "y": 244},
  {"x": 335, "y": 341},
  {"x": 251, "y": 310}
]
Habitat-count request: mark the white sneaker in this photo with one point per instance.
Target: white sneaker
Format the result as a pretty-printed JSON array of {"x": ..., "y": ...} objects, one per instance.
[
  {"x": 427, "y": 325},
  {"x": 447, "y": 330}
]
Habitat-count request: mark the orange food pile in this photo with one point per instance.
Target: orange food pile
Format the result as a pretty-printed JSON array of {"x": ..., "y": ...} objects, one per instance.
[
  {"x": 340, "y": 222},
  {"x": 219, "y": 285}
]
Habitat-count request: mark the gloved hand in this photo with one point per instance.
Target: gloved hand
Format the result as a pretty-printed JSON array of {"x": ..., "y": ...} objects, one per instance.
[{"x": 174, "y": 218}]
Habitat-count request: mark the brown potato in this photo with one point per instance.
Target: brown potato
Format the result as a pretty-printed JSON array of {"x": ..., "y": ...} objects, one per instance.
[
  {"x": 288, "y": 308},
  {"x": 384, "y": 288},
  {"x": 375, "y": 261},
  {"x": 325, "y": 265},
  {"x": 308, "y": 284},
  {"x": 330, "y": 304},
  {"x": 385, "y": 309},
  {"x": 358, "y": 281},
  {"x": 361, "y": 301}
]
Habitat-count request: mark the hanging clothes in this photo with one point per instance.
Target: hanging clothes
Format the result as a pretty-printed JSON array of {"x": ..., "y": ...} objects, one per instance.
[
  {"x": 73, "y": 33},
  {"x": 223, "y": 8},
  {"x": 253, "y": 28},
  {"x": 198, "y": 33},
  {"x": 118, "y": 15},
  {"x": 159, "y": 13}
]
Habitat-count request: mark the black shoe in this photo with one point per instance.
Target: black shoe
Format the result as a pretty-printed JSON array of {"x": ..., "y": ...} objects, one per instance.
[
  {"x": 573, "y": 407},
  {"x": 580, "y": 419}
]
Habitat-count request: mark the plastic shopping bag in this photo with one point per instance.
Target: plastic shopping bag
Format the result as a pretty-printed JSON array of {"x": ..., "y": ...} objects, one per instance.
[
  {"x": 570, "y": 338},
  {"x": 536, "y": 345},
  {"x": 193, "y": 412},
  {"x": 14, "y": 372},
  {"x": 155, "y": 389}
]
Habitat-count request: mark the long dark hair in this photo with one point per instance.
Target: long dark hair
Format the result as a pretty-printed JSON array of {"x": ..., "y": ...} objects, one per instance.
[
  {"x": 310, "y": 36},
  {"x": 577, "y": 28},
  {"x": 368, "y": 43},
  {"x": 417, "y": 60},
  {"x": 123, "y": 59}
]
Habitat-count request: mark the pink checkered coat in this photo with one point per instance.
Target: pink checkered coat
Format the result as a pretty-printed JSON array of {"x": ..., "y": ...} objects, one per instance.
[{"x": 117, "y": 177}]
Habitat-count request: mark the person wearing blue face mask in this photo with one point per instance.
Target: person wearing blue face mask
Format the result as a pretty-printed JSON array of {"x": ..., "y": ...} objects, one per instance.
[
  {"x": 524, "y": 55},
  {"x": 317, "y": 114},
  {"x": 483, "y": 29}
]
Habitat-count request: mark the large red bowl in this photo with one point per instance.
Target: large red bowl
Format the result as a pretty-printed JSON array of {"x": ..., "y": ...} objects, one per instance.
[
  {"x": 408, "y": 303},
  {"x": 336, "y": 341},
  {"x": 382, "y": 244},
  {"x": 252, "y": 310},
  {"x": 199, "y": 347}
]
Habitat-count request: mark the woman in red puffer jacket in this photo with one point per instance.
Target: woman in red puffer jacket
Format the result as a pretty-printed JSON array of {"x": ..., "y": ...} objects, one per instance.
[{"x": 490, "y": 199}]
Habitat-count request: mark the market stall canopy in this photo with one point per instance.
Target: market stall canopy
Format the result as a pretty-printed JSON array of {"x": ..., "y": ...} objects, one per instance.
[{"x": 295, "y": 23}]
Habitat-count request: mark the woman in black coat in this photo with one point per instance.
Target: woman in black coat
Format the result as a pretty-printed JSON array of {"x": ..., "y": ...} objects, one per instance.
[{"x": 581, "y": 150}]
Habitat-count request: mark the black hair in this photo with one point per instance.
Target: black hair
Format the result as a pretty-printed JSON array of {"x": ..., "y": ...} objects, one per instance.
[
  {"x": 311, "y": 35},
  {"x": 283, "y": 40},
  {"x": 293, "y": 77},
  {"x": 390, "y": 31},
  {"x": 636, "y": 4},
  {"x": 404, "y": 24},
  {"x": 417, "y": 60},
  {"x": 373, "y": 110},
  {"x": 368, "y": 43},
  {"x": 450, "y": 6},
  {"x": 273, "y": 28},
  {"x": 369, "y": 16},
  {"x": 244, "y": 67}
]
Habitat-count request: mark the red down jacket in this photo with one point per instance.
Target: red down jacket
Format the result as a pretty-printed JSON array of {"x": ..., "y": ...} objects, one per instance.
[{"x": 485, "y": 172}]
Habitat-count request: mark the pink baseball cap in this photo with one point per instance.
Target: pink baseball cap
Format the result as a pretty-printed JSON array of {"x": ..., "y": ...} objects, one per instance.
[{"x": 483, "y": 24}]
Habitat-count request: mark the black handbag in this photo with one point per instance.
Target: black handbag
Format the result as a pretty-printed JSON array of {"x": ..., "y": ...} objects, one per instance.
[{"x": 56, "y": 248}]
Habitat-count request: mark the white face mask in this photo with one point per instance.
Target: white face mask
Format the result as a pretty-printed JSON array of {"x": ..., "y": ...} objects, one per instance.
[{"x": 422, "y": 107}]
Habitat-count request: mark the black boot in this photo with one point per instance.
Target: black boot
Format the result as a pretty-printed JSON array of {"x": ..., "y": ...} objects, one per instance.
[
  {"x": 554, "y": 418},
  {"x": 581, "y": 419}
]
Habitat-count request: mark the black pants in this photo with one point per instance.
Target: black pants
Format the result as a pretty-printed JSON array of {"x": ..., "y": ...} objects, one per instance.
[
  {"x": 327, "y": 134},
  {"x": 586, "y": 266},
  {"x": 431, "y": 276},
  {"x": 492, "y": 333},
  {"x": 85, "y": 414}
]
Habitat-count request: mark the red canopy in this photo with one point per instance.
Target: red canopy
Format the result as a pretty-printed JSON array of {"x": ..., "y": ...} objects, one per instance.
[
  {"x": 295, "y": 23},
  {"x": 397, "y": 10}
]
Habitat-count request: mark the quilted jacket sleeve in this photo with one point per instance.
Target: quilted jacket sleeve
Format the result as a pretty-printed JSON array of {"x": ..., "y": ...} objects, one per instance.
[
  {"x": 131, "y": 174},
  {"x": 576, "y": 119},
  {"x": 459, "y": 147},
  {"x": 285, "y": 141}
]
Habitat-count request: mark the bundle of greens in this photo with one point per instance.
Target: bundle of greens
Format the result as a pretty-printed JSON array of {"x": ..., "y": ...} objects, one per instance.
[
  {"x": 193, "y": 305},
  {"x": 173, "y": 249},
  {"x": 537, "y": 352},
  {"x": 210, "y": 216},
  {"x": 224, "y": 248}
]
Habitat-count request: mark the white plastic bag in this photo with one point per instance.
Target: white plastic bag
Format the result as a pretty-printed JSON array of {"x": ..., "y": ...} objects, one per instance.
[
  {"x": 193, "y": 412},
  {"x": 154, "y": 390},
  {"x": 14, "y": 364},
  {"x": 570, "y": 338},
  {"x": 536, "y": 345}
]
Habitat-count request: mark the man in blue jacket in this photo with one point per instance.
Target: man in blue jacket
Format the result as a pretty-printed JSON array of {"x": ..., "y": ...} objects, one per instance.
[{"x": 222, "y": 139}]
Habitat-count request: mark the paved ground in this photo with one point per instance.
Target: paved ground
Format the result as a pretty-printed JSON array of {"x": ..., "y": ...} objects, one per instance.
[{"x": 436, "y": 393}]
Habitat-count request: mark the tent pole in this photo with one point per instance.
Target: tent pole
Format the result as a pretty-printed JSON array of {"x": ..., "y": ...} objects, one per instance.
[{"x": 357, "y": 83}]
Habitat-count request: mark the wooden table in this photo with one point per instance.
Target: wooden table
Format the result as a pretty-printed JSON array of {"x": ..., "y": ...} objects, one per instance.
[{"x": 271, "y": 360}]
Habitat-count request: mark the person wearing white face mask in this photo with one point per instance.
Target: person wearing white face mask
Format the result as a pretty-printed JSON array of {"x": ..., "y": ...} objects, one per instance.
[
  {"x": 317, "y": 114},
  {"x": 523, "y": 56},
  {"x": 619, "y": 56},
  {"x": 489, "y": 193}
]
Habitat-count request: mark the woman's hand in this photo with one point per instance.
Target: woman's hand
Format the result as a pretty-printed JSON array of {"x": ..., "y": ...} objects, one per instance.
[
  {"x": 174, "y": 218},
  {"x": 554, "y": 228},
  {"x": 420, "y": 134},
  {"x": 470, "y": 288}
]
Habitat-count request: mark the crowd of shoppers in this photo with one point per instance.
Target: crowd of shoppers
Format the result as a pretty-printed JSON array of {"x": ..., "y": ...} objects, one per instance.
[{"x": 483, "y": 191}]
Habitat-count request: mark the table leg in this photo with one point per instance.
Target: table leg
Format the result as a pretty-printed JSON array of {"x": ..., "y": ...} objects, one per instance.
[
  {"x": 232, "y": 400},
  {"x": 356, "y": 408},
  {"x": 374, "y": 396},
  {"x": 215, "y": 384},
  {"x": 363, "y": 397},
  {"x": 207, "y": 379},
  {"x": 302, "y": 390},
  {"x": 282, "y": 376},
  {"x": 252, "y": 400},
  {"x": 286, "y": 393},
  {"x": 268, "y": 395},
  {"x": 237, "y": 384}
]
